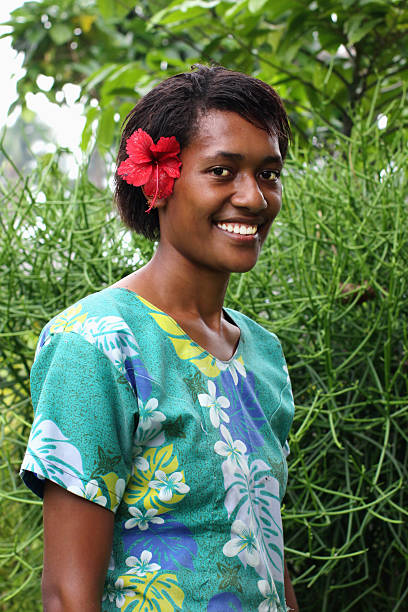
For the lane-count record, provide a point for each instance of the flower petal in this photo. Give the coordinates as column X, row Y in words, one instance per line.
column 120, row 600
column 162, row 185
column 135, row 512
column 264, row 587
column 146, row 556
column 240, row 367
column 91, row 489
column 214, row 417
column 182, row 487
column 151, row 404
column 252, row 556
column 212, row 388
column 171, row 167
column 130, row 562
column 135, row 174
column 150, row 513
column 139, row 146
column 204, row 399
column 221, row 448
column 223, row 401
column 165, row 494
column 141, row 464
column 240, row 447
column 239, row 528
column 224, row 416
column 233, row 547
column 166, row 146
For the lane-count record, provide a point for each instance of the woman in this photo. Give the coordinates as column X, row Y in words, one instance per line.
column 151, row 400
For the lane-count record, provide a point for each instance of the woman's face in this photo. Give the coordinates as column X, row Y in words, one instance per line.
column 227, row 196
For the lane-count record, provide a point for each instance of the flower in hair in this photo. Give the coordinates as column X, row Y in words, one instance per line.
column 151, row 166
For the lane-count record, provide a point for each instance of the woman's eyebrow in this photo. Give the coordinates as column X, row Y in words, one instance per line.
column 269, row 159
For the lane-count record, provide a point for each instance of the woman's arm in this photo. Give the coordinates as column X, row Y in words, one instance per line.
column 290, row 596
column 77, row 547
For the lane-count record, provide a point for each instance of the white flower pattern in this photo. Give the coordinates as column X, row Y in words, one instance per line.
column 90, row 492
column 142, row 566
column 271, row 601
column 168, row 485
column 234, row 367
column 234, row 450
column 141, row 519
column 148, row 413
column 117, row 594
column 215, row 404
column 243, row 542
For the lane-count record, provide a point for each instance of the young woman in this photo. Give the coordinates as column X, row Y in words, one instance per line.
column 161, row 418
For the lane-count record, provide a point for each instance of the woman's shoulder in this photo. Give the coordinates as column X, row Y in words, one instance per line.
column 107, row 319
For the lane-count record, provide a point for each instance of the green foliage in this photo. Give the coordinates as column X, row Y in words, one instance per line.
column 326, row 57
column 331, row 282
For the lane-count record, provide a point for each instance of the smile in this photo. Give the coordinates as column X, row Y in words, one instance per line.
column 238, row 228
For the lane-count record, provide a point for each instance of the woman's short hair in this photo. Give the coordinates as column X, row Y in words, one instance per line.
column 174, row 107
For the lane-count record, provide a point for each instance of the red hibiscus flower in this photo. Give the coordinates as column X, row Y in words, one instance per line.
column 151, row 166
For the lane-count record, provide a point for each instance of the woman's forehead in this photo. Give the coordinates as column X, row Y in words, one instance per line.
column 226, row 132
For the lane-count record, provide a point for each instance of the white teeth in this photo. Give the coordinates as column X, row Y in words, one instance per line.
column 238, row 228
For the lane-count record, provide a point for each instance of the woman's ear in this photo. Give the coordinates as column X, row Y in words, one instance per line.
column 159, row 203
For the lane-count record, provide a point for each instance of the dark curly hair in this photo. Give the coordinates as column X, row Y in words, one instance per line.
column 174, row 107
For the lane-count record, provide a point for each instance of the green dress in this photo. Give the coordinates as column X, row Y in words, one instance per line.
column 188, row 451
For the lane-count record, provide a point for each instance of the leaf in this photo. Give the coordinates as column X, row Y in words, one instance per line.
column 113, row 8
column 153, row 592
column 91, row 115
column 111, row 335
column 61, row 33
column 184, row 346
column 182, row 11
column 171, row 544
column 256, row 6
column 255, row 499
column 51, row 455
column 358, row 30
column 245, row 412
column 138, row 489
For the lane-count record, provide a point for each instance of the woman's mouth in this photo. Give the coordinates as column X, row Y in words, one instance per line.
column 244, row 229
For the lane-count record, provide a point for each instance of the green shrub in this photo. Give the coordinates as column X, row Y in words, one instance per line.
column 331, row 282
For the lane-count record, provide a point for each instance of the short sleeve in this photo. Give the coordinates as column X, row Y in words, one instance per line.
column 85, row 420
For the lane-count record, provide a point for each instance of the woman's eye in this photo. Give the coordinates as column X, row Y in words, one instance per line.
column 270, row 175
column 220, row 171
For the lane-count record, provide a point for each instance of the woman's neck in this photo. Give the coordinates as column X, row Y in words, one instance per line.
column 179, row 287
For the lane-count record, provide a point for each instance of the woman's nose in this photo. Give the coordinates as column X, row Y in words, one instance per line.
column 248, row 194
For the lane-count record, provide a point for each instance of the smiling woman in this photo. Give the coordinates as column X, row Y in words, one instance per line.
column 161, row 417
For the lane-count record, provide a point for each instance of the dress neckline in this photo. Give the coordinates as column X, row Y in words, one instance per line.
column 146, row 303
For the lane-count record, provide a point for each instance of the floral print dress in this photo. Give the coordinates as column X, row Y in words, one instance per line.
column 189, row 452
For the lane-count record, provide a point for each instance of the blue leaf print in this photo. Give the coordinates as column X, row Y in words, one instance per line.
column 170, row 543
column 224, row 602
column 246, row 414
column 135, row 370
